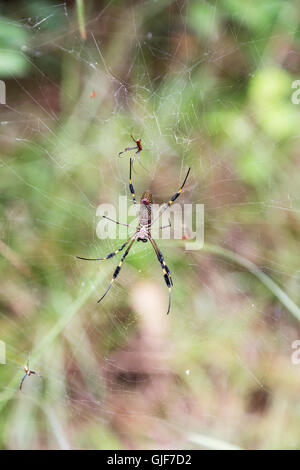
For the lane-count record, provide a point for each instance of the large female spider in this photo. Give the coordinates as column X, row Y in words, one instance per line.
column 142, row 233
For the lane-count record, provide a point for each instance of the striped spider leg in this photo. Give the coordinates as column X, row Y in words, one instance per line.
column 131, row 188
column 166, row 271
column 118, row 268
column 166, row 205
column 110, row 255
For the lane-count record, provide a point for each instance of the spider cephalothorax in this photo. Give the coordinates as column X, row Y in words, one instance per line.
column 146, row 198
column 143, row 233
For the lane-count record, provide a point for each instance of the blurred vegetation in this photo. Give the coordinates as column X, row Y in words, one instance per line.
column 205, row 84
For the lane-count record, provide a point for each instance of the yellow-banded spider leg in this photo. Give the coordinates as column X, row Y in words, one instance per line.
column 131, row 188
column 114, row 253
column 166, row 271
column 117, row 270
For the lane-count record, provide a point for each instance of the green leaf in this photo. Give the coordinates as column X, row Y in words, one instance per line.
column 12, row 63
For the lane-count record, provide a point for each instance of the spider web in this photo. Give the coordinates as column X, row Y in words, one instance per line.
column 217, row 372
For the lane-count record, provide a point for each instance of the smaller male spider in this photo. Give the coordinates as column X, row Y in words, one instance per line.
column 138, row 147
column 142, row 233
column 28, row 372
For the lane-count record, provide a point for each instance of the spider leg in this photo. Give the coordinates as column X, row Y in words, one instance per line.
column 117, row 270
column 127, row 149
column 118, row 223
column 166, row 226
column 21, row 384
column 176, row 195
column 136, row 155
column 166, row 271
column 173, row 198
column 134, row 140
column 114, row 253
column 130, row 183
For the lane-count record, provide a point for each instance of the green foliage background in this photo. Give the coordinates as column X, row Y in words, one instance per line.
column 205, row 84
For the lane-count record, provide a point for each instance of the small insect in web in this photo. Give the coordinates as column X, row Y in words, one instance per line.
column 28, row 372
column 142, row 233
